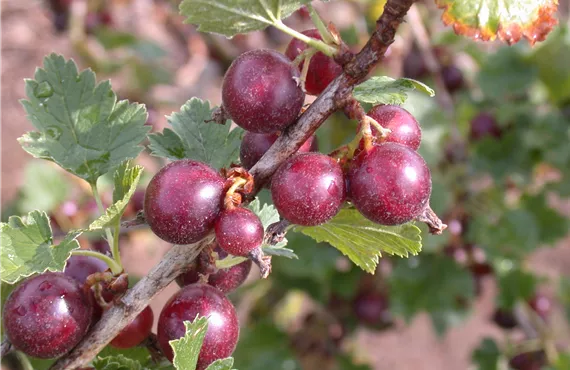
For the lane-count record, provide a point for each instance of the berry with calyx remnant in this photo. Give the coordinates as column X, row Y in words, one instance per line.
column 390, row 184
column 405, row 129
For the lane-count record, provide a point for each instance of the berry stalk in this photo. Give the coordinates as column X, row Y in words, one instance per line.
column 116, row 268
column 112, row 240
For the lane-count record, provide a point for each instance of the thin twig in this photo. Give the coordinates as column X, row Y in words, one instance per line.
column 179, row 258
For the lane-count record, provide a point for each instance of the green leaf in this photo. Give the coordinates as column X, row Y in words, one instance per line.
column 111, row 38
column 222, row 364
column 431, row 283
column 261, row 347
column 550, row 223
column 5, row 291
column 563, row 362
column 514, row 233
column 126, row 179
column 484, row 20
column 363, row 241
column 118, row 362
column 81, row 126
column 515, row 285
column 386, row 90
column 187, row 348
column 53, row 191
column 269, row 215
column 487, row 355
column 232, row 17
column 138, row 354
column 193, row 138
column 27, row 247
column 549, row 58
column 506, row 73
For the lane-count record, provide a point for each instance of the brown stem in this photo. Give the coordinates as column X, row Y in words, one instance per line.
column 336, row 95
column 433, row 222
column 140, row 219
column 131, row 304
column 275, row 232
column 179, row 257
column 151, row 344
column 6, row 347
column 262, row 261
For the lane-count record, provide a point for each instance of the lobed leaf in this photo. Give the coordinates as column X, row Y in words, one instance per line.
column 232, row 17
column 126, row 179
column 509, row 20
column 187, row 348
column 118, row 362
column 222, row 364
column 268, row 215
column 27, row 247
column 80, row 124
column 192, row 137
column 386, row 90
column 515, row 285
column 363, row 241
column 487, row 355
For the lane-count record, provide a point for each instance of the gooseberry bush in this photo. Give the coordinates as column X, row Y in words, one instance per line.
column 252, row 182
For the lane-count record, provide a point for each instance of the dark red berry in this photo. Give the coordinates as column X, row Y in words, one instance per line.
column 254, row 146
column 47, row 315
column 136, row 331
column 183, row 200
column 542, row 305
column 505, row 319
column 372, row 308
column 260, row 91
column 414, row 65
column 405, row 128
column 484, row 125
column 390, row 184
column 137, row 201
column 80, row 267
column 452, row 78
column 308, row 189
column 528, row 361
column 322, row 69
column 101, row 246
column 239, row 231
column 226, row 280
column 205, row 301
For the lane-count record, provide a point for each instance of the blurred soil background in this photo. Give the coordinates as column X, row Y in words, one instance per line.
column 28, row 35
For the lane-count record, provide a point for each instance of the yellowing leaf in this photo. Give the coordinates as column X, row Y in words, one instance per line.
column 510, row 20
